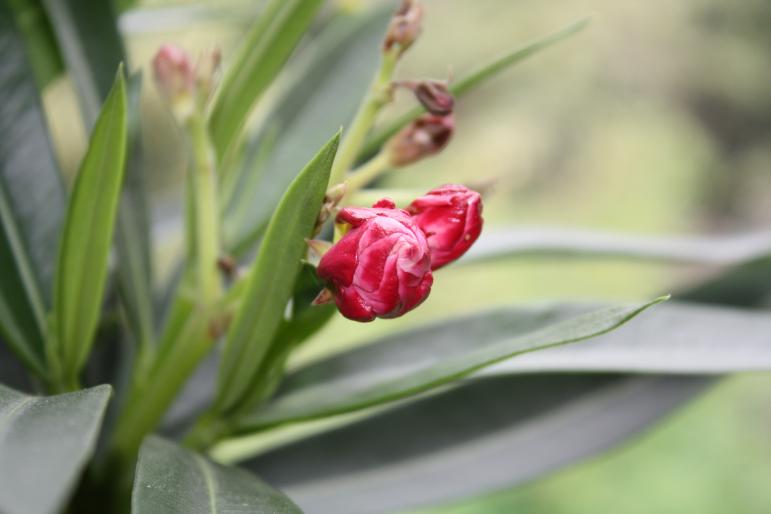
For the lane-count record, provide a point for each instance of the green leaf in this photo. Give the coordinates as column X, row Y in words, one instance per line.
column 272, row 279
column 473, row 79
column 85, row 247
column 45, row 442
column 335, row 69
column 31, row 204
column 405, row 365
column 88, row 37
column 556, row 242
column 170, row 480
column 263, row 53
column 488, row 434
column 39, row 40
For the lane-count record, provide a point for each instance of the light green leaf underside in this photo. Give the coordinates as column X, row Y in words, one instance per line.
column 520, row 241
column 45, row 442
column 173, row 480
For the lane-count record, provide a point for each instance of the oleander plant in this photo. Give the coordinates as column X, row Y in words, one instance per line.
column 120, row 387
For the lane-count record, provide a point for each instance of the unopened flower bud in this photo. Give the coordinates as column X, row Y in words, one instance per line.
column 174, row 73
column 381, row 268
column 425, row 136
column 451, row 218
column 405, row 26
column 434, row 95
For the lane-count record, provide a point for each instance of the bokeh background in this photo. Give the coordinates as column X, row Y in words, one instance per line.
column 654, row 120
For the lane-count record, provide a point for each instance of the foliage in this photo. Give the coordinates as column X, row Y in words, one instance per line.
column 78, row 305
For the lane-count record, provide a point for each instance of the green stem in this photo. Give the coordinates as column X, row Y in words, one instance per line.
column 366, row 173
column 379, row 95
column 206, row 211
column 186, row 339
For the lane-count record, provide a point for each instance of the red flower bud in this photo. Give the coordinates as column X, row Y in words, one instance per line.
column 425, row 136
column 381, row 268
column 174, row 72
column 405, row 26
column 451, row 217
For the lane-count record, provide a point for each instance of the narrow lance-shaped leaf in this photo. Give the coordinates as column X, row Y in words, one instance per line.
column 31, row 204
column 262, row 55
column 85, row 246
column 45, row 442
column 173, row 480
column 473, row 79
column 397, row 367
column 92, row 47
column 272, row 279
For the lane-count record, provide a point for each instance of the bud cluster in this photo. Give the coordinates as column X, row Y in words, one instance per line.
column 382, row 267
column 428, row 134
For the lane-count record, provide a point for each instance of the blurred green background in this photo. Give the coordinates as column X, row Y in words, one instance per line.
column 656, row 119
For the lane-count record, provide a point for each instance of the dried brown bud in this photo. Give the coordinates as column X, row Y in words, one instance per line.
column 405, row 26
column 425, row 136
column 434, row 95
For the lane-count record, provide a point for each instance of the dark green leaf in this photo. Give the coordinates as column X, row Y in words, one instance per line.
column 171, row 480
column 322, row 98
column 272, row 278
column 31, row 204
column 403, row 365
column 473, row 79
column 88, row 37
column 85, row 247
column 555, row 242
column 38, row 35
column 263, row 53
column 45, row 443
column 489, row 434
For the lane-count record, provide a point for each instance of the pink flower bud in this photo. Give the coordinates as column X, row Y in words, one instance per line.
column 405, row 26
column 174, row 73
column 425, row 136
column 451, row 217
column 381, row 267
column 434, row 95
